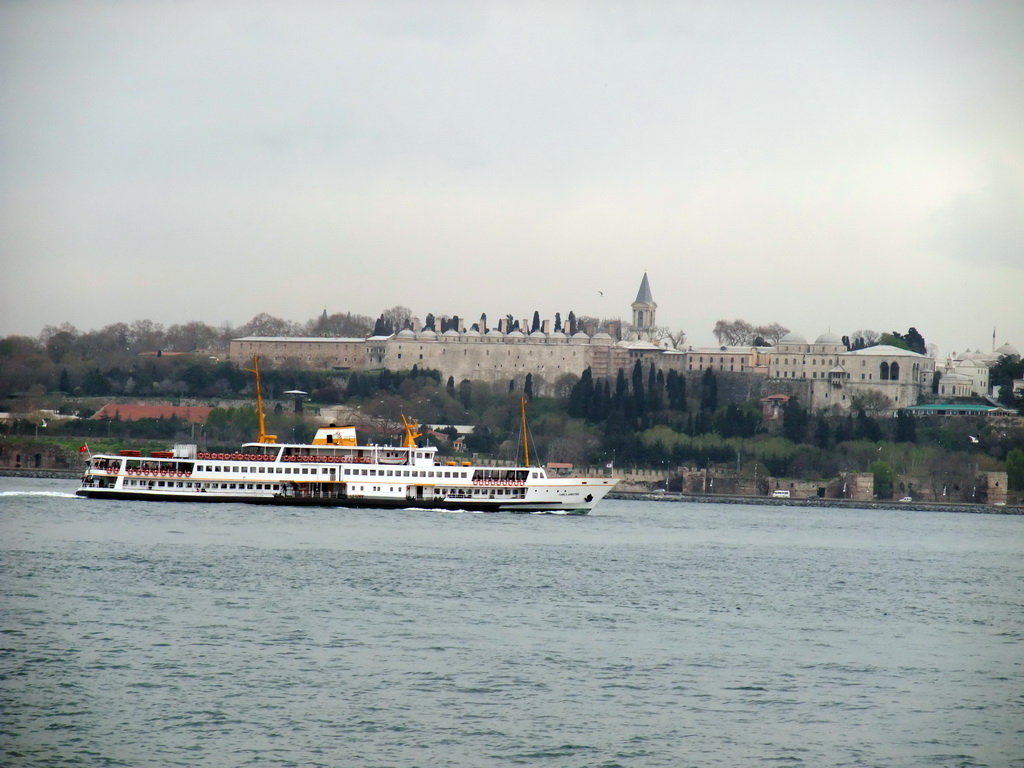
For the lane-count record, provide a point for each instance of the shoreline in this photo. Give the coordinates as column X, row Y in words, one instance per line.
column 973, row 509
column 914, row 506
column 44, row 474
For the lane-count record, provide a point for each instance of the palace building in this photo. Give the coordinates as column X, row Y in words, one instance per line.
column 822, row 374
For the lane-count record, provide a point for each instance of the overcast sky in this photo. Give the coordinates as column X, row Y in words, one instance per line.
column 825, row 165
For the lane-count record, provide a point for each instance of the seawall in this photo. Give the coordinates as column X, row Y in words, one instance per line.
column 977, row 509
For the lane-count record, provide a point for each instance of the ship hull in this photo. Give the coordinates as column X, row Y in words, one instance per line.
column 454, row 505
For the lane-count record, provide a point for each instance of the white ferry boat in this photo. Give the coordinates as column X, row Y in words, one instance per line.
column 335, row 470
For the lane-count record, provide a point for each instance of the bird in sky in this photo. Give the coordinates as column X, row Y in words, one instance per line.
column 972, row 438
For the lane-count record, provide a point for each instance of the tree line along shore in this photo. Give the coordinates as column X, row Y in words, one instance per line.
column 644, row 420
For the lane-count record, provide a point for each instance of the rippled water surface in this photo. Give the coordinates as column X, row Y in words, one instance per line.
column 647, row 634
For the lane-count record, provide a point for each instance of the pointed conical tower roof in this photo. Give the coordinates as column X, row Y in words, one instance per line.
column 643, row 296
column 644, row 307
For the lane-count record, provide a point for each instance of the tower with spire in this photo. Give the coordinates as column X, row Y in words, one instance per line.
column 644, row 308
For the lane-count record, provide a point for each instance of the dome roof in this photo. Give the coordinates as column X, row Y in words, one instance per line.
column 472, row 332
column 538, row 335
column 408, row 333
column 1007, row 349
column 427, row 334
column 828, row 338
column 450, row 332
column 792, row 338
column 516, row 335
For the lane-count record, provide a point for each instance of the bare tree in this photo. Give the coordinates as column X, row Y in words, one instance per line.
column 658, row 334
column 589, row 325
column 190, row 337
column 146, row 336
column 268, row 325
column 772, row 332
column 864, row 338
column 872, row 402
column 735, row 333
column 677, row 337
column 340, row 325
column 398, row 316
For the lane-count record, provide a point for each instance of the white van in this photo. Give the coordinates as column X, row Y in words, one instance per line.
column 780, row 494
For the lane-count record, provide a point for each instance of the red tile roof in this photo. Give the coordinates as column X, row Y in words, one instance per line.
column 191, row 413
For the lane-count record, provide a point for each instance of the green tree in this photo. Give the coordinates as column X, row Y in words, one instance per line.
column 1006, row 369
column 639, row 395
column 894, row 340
column 795, row 421
column 885, row 478
column 709, row 391
column 580, row 399
column 822, row 433
column 906, row 428
column 1015, row 469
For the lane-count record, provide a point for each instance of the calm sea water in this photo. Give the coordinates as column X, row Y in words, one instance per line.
column 647, row 634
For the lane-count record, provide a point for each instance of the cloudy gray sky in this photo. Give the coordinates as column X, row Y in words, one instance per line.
column 826, row 165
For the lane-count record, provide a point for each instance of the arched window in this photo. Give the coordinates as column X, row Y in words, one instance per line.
column 883, row 371
column 894, row 372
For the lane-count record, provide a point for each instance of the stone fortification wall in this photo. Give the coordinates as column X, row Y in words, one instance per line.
column 301, row 352
column 37, row 455
column 492, row 358
column 497, row 357
column 737, row 387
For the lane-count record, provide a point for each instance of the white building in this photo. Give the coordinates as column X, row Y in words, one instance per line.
column 837, row 376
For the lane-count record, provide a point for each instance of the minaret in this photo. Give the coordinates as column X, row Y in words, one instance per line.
column 644, row 308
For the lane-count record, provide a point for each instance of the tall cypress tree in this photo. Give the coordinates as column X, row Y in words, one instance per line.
column 639, row 396
column 709, row 391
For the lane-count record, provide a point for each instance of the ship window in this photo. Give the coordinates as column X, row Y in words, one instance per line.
column 232, row 485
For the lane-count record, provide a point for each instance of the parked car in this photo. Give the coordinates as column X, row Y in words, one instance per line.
column 907, row 498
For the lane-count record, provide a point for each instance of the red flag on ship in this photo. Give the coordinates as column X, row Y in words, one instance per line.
column 84, row 448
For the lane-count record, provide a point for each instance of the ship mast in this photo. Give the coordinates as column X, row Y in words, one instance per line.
column 411, row 433
column 526, row 444
column 264, row 437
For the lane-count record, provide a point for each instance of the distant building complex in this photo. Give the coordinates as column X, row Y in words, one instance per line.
column 823, row 374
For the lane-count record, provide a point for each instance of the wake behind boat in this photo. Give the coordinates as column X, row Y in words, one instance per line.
column 335, row 470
